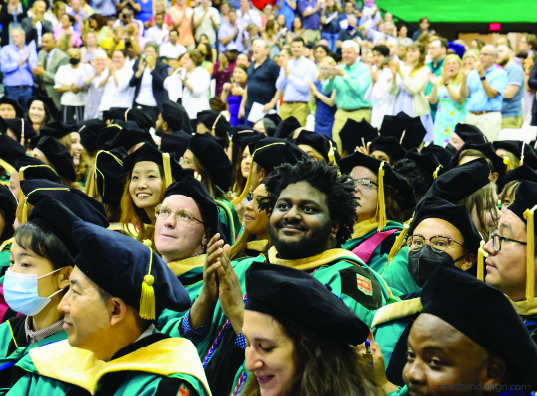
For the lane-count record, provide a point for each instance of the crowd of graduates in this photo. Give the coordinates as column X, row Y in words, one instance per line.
column 155, row 259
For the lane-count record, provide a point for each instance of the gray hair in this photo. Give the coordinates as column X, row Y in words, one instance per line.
column 351, row 44
column 20, row 30
column 100, row 54
column 263, row 43
column 493, row 48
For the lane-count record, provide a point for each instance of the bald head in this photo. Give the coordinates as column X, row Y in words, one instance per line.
column 39, row 7
column 49, row 42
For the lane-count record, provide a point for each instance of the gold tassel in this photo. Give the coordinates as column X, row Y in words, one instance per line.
column 332, row 157
column 435, row 174
column 7, row 166
column 398, row 244
column 24, row 211
column 167, row 169
column 147, row 300
column 508, row 165
column 529, row 215
column 91, row 186
column 481, row 255
column 381, row 205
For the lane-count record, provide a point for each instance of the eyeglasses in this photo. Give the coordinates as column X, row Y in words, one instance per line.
column 182, row 216
column 363, row 184
column 497, row 242
column 438, row 243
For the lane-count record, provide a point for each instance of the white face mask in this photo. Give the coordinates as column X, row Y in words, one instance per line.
column 21, row 294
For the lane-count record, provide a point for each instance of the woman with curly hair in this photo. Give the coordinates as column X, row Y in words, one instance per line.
column 312, row 211
column 382, row 201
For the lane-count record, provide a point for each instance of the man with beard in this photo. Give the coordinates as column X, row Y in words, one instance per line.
column 512, row 114
column 312, row 213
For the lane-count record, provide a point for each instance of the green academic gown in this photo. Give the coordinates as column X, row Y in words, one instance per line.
column 231, row 225
column 373, row 248
column 14, row 347
column 357, row 285
column 155, row 365
column 5, row 248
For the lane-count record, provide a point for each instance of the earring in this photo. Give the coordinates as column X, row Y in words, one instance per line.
column 333, row 236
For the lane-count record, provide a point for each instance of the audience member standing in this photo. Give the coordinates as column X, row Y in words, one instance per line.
column 293, row 80
column 95, row 91
column 233, row 92
column 231, row 32
column 182, row 22
column 424, row 28
column 325, row 104
column 116, row 84
column 351, row 82
column 381, row 75
column 330, row 24
column 70, row 82
column 262, row 76
column 512, row 113
column 106, row 8
column 437, row 51
column 11, row 15
column 172, row 49
column 484, row 85
column 196, row 84
column 17, row 62
column 125, row 17
column 532, row 84
column 36, row 26
column 158, row 33
column 310, row 11
column 247, row 15
column 206, row 21
column 223, row 68
column 78, row 13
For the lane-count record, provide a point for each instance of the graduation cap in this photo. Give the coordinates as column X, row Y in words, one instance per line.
column 281, row 291
column 47, row 102
column 441, row 154
column 57, row 129
column 275, row 118
column 386, row 176
column 22, row 128
column 10, row 151
column 239, row 137
column 389, row 145
column 190, row 187
column 409, row 131
column 172, row 169
column 8, row 205
column 427, row 161
column 126, row 138
column 520, row 149
column 356, row 134
column 488, row 150
column 177, row 143
column 176, row 117
column 106, row 180
column 217, row 124
column 251, row 141
column 16, row 105
column 58, row 156
column 31, row 168
column 270, row 153
column 81, row 205
column 3, row 125
column 470, row 133
column 321, row 144
column 524, row 207
column 131, row 114
column 214, row 159
column 287, row 127
column 483, row 314
column 433, row 207
column 523, row 172
column 128, row 269
column 89, row 134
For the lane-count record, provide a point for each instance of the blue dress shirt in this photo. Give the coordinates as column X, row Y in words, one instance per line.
column 478, row 99
column 15, row 75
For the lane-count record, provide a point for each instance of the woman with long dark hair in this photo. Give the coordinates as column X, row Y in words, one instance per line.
column 40, row 112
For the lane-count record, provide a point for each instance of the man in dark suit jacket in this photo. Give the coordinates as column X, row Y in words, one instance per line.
column 50, row 59
column 35, row 26
column 6, row 18
column 532, row 83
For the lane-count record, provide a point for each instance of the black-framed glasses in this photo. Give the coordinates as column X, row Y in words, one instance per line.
column 363, row 184
column 439, row 243
column 182, row 216
column 497, row 242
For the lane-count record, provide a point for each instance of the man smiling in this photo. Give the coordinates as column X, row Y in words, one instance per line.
column 312, row 213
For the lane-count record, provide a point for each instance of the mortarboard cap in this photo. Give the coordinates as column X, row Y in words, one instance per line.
column 488, row 150
column 131, row 114
column 473, row 308
column 22, row 128
column 409, row 131
column 106, row 180
column 126, row 138
column 128, row 269
column 58, row 156
column 286, row 128
column 89, row 134
column 427, row 161
column 241, row 138
column 57, row 129
column 441, row 154
column 31, row 168
column 523, row 172
column 176, row 116
column 10, row 151
column 190, row 187
column 389, row 145
column 8, row 205
column 470, row 133
column 521, row 150
column 322, row 144
column 16, row 105
column 217, row 124
column 214, row 159
column 280, row 291
column 177, row 143
column 356, row 134
column 172, row 169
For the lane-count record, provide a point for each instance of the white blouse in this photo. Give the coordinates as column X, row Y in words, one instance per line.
column 117, row 96
column 197, row 101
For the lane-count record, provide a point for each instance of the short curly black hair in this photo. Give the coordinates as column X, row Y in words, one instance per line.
column 339, row 191
column 420, row 178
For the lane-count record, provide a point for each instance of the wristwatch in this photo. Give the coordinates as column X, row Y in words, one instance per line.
column 482, row 78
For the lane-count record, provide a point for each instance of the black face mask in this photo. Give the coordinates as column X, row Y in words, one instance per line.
column 423, row 262
column 452, row 150
column 74, row 61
